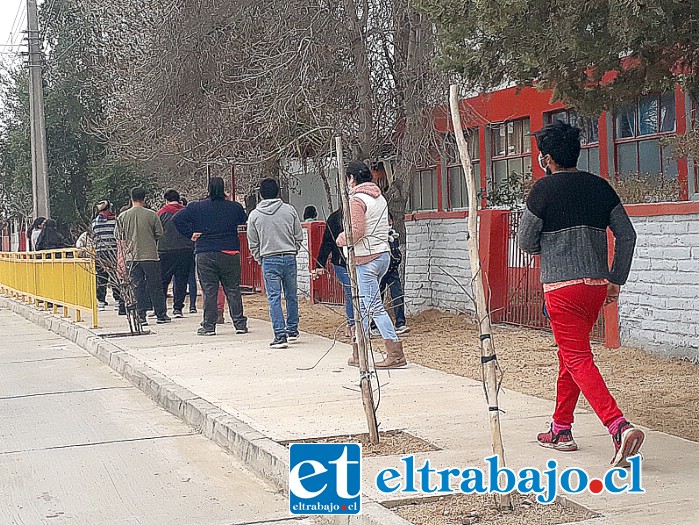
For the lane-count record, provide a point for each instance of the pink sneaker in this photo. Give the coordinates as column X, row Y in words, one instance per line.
column 627, row 442
column 562, row 441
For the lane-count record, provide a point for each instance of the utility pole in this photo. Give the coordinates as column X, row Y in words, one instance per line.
column 40, row 170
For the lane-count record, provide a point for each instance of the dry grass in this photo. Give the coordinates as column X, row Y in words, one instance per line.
column 391, row 443
column 658, row 393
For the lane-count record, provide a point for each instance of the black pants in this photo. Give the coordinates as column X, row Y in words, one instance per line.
column 148, row 285
column 392, row 281
column 176, row 264
column 102, row 282
column 214, row 268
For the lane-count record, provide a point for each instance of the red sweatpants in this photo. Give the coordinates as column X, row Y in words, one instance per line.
column 574, row 310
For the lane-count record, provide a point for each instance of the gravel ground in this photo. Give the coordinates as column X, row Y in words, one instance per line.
column 658, row 393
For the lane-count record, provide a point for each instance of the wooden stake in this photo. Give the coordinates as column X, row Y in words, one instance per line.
column 364, row 374
column 488, row 357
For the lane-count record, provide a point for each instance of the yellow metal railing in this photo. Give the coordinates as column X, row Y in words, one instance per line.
column 55, row 279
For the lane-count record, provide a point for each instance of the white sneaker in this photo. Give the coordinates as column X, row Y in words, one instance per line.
column 402, row 329
column 374, row 333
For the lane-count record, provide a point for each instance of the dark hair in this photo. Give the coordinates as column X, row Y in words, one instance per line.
column 37, row 222
column 50, row 223
column 310, row 212
column 172, row 196
column 138, row 194
column 269, row 189
column 359, row 171
column 561, row 141
column 216, row 189
column 183, row 201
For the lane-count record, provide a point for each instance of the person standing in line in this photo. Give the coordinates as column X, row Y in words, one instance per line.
column 34, row 232
column 50, row 238
column 565, row 222
column 138, row 230
column 275, row 236
column 176, row 253
column 328, row 247
column 105, row 245
column 310, row 213
column 213, row 226
column 369, row 213
column 192, row 280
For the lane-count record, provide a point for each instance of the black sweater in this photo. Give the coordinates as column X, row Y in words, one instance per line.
column 333, row 228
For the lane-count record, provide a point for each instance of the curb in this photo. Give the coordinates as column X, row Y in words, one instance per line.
column 265, row 457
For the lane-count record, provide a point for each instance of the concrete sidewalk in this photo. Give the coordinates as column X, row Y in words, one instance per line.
column 283, row 396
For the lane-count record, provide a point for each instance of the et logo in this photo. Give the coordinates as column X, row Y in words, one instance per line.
column 325, row 478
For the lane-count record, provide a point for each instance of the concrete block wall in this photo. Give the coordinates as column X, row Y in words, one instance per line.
column 302, row 268
column 659, row 306
column 436, row 254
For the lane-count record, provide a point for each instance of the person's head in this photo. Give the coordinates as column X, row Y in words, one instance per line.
column 104, row 206
column 50, row 224
column 310, row 213
column 269, row 189
column 217, row 191
column 183, row 201
column 138, row 196
column 559, row 146
column 171, row 196
column 38, row 223
column 358, row 173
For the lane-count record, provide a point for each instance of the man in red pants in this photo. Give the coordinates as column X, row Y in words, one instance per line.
column 565, row 222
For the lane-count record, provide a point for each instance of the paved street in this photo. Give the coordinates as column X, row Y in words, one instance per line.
column 81, row 446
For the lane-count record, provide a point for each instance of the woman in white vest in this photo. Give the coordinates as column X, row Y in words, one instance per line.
column 369, row 212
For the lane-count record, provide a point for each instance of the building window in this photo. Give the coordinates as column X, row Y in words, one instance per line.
column 638, row 130
column 589, row 137
column 457, row 191
column 423, row 193
column 511, row 153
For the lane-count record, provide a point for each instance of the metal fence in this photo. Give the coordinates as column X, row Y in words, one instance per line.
column 327, row 288
column 525, row 293
column 251, row 272
column 52, row 279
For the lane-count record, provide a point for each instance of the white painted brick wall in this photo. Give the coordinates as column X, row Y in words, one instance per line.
column 302, row 270
column 659, row 306
column 436, row 254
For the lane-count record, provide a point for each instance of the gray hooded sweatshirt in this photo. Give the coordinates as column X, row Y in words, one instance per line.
column 274, row 228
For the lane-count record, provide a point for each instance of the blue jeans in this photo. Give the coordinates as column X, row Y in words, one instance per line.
column 369, row 275
column 343, row 277
column 279, row 272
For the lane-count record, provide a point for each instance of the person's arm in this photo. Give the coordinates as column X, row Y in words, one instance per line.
column 253, row 239
column 326, row 248
column 184, row 222
column 624, row 244
column 157, row 227
column 298, row 229
column 531, row 224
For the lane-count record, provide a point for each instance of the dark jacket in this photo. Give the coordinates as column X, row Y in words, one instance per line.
column 396, row 255
column 172, row 240
column 333, row 228
column 216, row 220
column 51, row 239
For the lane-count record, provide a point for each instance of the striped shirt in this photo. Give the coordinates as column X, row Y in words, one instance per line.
column 103, row 230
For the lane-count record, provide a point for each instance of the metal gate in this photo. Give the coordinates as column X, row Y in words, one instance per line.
column 326, row 289
column 525, row 294
column 251, row 272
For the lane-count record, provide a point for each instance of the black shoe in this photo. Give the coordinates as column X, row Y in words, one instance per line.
column 243, row 330
column 279, row 342
column 204, row 331
column 144, row 321
column 192, row 310
column 163, row 320
column 177, row 313
column 292, row 336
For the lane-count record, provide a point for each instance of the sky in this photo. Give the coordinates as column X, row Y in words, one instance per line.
column 9, row 20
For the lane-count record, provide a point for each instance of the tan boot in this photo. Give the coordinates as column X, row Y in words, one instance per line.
column 354, row 360
column 395, row 357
